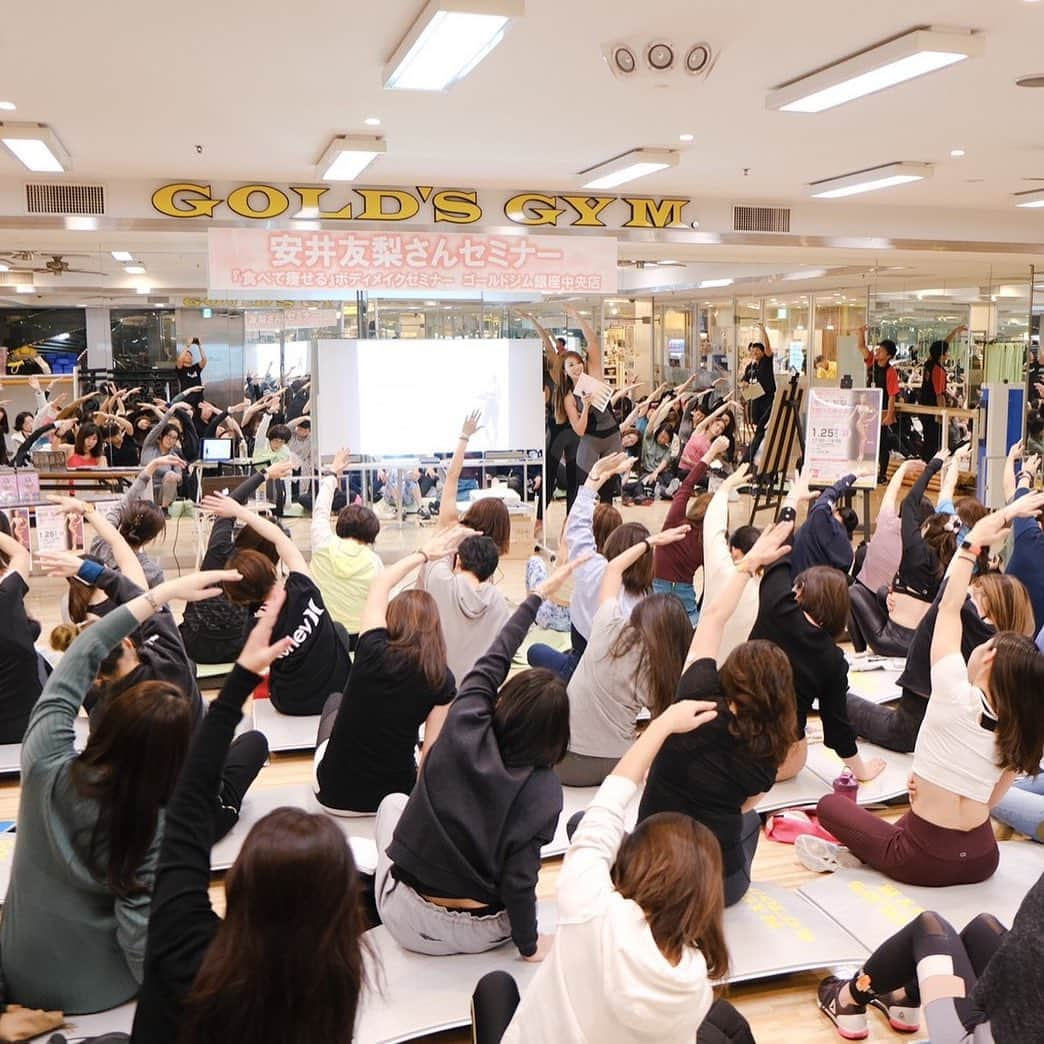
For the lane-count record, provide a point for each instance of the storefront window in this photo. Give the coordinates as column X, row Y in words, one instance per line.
column 59, row 335
column 143, row 339
column 837, row 339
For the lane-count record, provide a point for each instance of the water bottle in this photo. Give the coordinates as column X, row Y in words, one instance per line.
column 847, row 785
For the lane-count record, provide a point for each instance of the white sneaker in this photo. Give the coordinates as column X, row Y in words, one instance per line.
column 816, row 853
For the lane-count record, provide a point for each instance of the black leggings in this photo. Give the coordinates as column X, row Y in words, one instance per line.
column 893, row 966
column 245, row 758
column 894, row 729
column 496, row 997
column 562, row 442
column 870, row 625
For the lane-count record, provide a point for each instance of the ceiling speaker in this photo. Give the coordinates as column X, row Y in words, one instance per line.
column 661, row 59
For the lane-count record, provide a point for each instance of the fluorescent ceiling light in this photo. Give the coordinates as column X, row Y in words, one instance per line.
column 347, row 156
column 710, row 284
column 448, row 39
column 35, row 146
column 8, row 106
column 24, row 288
column 895, row 61
column 869, row 180
column 5, row 268
column 372, row 121
column 628, row 166
column 144, row 289
column 134, row 269
column 122, row 255
column 810, row 273
column 1033, row 198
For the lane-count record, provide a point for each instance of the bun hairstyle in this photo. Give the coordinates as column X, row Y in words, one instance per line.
column 140, row 522
column 63, row 636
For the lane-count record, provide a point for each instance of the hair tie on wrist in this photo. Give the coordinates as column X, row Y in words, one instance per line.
column 466, row 438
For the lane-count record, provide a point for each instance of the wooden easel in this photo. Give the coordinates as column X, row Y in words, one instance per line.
column 785, row 427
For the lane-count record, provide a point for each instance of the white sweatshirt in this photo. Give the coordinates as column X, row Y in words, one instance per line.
column 605, row 980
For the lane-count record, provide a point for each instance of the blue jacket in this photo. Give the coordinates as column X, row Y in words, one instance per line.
column 822, row 540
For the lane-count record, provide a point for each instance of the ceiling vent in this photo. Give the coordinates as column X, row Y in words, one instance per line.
column 761, row 219
column 49, row 198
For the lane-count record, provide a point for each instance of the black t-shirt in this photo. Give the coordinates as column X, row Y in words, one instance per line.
column 21, row 673
column 707, row 774
column 819, row 666
column 371, row 748
column 317, row 666
column 189, row 376
column 126, row 455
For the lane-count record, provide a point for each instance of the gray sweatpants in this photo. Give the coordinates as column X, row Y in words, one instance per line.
column 413, row 922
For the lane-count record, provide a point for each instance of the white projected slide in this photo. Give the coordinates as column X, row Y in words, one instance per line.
column 404, row 397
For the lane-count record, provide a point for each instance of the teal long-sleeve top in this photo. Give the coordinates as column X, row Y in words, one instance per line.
column 66, row 941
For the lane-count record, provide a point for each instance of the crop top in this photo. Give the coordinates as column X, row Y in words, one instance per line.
column 956, row 747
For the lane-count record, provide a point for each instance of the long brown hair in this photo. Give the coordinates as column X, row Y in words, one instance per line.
column 490, row 517
column 287, row 965
column 1016, row 690
column 638, row 576
column 758, row 680
column 564, row 383
column 129, row 768
column 606, row 519
column 670, row 865
column 415, row 636
column 696, row 510
column 659, row 628
column 1006, row 602
column 941, row 539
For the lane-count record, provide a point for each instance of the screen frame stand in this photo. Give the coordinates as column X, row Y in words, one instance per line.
column 785, row 427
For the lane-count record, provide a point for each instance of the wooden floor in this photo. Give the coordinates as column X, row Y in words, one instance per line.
column 781, row 1011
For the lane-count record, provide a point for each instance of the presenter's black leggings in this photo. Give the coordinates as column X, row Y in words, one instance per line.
column 496, row 997
column 562, row 444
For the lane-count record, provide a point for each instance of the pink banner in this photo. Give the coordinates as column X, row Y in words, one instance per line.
column 311, row 264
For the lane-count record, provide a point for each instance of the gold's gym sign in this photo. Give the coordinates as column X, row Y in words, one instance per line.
column 186, row 199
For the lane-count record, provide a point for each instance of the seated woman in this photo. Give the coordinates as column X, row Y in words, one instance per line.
column 995, row 602
column 640, row 938
column 22, row 670
column 982, row 727
column 318, row 664
column 214, row 629
column 76, row 911
column 344, row 562
column 676, row 563
column 722, row 422
column 885, row 620
column 139, row 521
column 981, row 985
column 804, row 616
column 885, row 549
column 89, row 449
column 487, row 516
column 826, row 537
column 202, row 971
column 584, row 525
column 718, row 774
column 457, row 861
column 633, row 660
column 368, row 737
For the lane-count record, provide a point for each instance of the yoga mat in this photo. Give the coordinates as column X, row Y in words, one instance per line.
column 872, row 907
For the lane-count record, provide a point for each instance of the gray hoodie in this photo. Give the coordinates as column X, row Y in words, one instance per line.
column 471, row 616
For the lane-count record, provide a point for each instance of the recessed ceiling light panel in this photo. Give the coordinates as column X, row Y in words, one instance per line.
column 906, row 57
column 629, row 166
column 1030, row 200
column 448, row 39
column 123, row 256
column 870, row 180
column 347, row 156
column 36, row 147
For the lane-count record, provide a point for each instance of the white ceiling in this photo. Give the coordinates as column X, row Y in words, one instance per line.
column 132, row 89
column 263, row 86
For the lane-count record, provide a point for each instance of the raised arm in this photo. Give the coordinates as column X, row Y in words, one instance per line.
column 890, row 500
column 289, row 553
column 612, row 579
column 448, row 496
column 594, row 343
column 1011, row 470
column 17, row 555
column 765, row 340
column 322, row 533
column 910, row 511
column 441, row 544
column 586, row 874
column 579, row 531
column 770, row 547
column 126, row 560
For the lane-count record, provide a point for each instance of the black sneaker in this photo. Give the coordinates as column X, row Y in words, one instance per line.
column 850, row 1020
column 903, row 1018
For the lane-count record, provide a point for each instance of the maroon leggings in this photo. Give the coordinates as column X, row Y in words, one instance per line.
column 912, row 851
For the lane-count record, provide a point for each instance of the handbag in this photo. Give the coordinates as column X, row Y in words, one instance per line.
column 751, row 390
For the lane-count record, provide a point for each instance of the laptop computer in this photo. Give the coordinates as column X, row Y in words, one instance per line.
column 217, row 450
